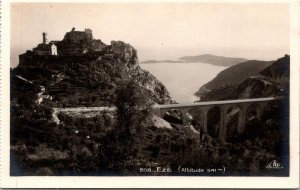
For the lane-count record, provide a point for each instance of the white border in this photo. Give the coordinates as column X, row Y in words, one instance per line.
column 145, row 182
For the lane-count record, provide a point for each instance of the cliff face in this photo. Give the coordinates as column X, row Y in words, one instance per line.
column 273, row 80
column 234, row 75
column 86, row 71
column 257, row 87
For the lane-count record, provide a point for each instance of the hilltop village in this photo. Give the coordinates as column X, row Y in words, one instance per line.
column 81, row 65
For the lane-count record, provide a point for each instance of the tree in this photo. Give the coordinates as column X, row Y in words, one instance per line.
column 133, row 107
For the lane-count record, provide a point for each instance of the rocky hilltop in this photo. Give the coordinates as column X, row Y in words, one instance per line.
column 80, row 70
column 79, row 42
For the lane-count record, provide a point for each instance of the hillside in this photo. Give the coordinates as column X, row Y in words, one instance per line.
column 279, row 69
column 213, row 59
column 234, row 75
column 272, row 80
column 86, row 71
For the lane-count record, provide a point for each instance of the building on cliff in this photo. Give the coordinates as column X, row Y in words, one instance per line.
column 89, row 33
column 46, row 48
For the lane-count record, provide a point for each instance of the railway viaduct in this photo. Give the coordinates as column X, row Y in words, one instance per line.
column 226, row 108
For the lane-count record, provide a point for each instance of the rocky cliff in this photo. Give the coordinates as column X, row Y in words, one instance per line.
column 235, row 75
column 87, row 71
column 273, row 80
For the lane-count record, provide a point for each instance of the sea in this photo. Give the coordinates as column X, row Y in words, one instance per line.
column 183, row 80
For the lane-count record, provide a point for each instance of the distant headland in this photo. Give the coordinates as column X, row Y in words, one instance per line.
column 204, row 58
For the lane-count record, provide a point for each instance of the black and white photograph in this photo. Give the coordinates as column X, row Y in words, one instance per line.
column 143, row 89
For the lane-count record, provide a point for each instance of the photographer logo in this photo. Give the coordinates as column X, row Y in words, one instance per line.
column 274, row 165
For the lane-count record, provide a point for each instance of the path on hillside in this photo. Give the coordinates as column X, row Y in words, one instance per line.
column 78, row 109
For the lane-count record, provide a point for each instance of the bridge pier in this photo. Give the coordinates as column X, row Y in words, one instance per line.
column 223, row 122
column 242, row 118
column 221, row 125
column 260, row 109
column 204, row 118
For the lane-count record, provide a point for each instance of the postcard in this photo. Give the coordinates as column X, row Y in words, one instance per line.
column 150, row 94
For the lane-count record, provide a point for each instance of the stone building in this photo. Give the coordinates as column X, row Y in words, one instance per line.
column 53, row 49
column 46, row 48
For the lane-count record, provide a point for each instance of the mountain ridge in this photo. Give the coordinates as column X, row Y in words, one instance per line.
column 161, row 61
column 213, row 59
column 204, row 58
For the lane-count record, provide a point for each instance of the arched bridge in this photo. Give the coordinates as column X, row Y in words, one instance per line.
column 246, row 108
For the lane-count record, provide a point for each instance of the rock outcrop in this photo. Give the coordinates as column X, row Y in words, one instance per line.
column 79, row 42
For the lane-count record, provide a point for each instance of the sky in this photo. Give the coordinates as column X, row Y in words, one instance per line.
column 160, row 30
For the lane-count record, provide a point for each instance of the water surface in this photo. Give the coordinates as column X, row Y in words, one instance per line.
column 183, row 79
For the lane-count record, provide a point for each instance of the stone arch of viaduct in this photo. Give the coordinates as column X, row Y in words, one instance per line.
column 204, row 107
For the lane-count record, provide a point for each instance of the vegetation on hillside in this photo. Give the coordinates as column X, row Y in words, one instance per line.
column 257, row 82
column 122, row 143
column 235, row 75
